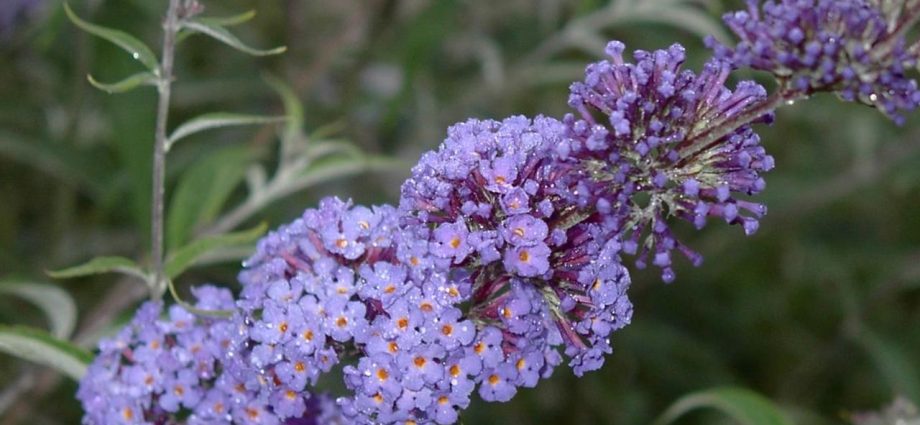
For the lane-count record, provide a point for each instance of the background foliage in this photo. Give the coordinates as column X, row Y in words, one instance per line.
column 818, row 311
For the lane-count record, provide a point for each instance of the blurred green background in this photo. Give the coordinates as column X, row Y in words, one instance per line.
column 818, row 311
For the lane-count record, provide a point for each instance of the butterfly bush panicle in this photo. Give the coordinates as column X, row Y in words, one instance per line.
column 545, row 268
column 158, row 370
column 849, row 47
column 639, row 137
column 504, row 254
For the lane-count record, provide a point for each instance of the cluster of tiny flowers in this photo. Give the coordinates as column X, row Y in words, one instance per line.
column 641, row 135
column 418, row 334
column 306, row 297
column 504, row 254
column 156, row 371
column 844, row 46
column 502, row 205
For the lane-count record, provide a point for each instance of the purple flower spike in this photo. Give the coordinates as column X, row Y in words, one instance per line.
column 664, row 165
column 849, row 47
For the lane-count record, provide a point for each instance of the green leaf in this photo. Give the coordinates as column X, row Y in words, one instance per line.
column 185, row 257
column 202, row 192
column 222, row 21
column 229, row 21
column 38, row 346
column 743, row 405
column 216, row 120
column 221, row 34
column 56, row 303
column 101, row 265
column 136, row 48
column 293, row 109
column 331, row 169
column 894, row 364
column 127, row 84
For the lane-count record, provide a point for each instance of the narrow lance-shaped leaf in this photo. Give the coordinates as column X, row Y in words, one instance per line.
column 136, row 48
column 223, row 21
column 333, row 168
column 101, row 265
column 743, row 405
column 202, row 192
column 293, row 131
column 186, row 256
column 229, row 21
column 221, row 34
column 56, row 303
column 216, row 120
column 127, row 84
column 38, row 346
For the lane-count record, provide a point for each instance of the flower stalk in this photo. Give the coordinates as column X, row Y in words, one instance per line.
column 164, row 86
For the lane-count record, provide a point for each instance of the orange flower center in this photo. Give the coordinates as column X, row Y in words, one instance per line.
column 252, row 413
column 382, row 374
column 420, row 361
column 493, row 380
column 524, row 256
column 521, row 364
column 447, row 330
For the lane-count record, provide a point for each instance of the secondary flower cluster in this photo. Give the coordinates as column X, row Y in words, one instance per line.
column 846, row 46
column 653, row 155
column 346, row 283
column 166, row 370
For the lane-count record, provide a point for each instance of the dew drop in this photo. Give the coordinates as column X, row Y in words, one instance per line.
column 873, row 97
column 136, row 55
column 790, row 102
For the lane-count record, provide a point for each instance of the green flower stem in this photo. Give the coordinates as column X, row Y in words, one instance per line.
column 909, row 16
column 170, row 28
column 719, row 129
